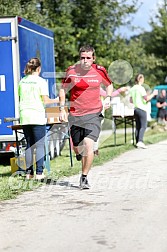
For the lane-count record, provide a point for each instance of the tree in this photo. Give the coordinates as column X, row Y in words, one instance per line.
column 156, row 41
column 78, row 22
column 133, row 51
column 23, row 9
column 60, row 21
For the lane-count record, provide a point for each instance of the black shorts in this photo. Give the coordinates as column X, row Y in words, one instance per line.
column 162, row 113
column 85, row 126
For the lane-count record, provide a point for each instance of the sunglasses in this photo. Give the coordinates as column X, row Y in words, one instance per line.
column 82, row 58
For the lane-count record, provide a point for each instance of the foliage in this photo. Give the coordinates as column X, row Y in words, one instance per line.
column 78, row 22
column 60, row 21
column 156, row 41
column 23, row 9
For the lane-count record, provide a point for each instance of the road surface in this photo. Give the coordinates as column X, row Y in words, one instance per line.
column 125, row 210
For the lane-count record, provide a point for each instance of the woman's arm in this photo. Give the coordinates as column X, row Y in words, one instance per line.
column 47, row 100
column 119, row 91
column 149, row 97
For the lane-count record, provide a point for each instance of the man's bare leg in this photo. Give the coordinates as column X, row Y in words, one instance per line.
column 88, row 155
column 78, row 151
column 87, row 160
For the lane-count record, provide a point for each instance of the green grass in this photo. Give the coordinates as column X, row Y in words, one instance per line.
column 11, row 186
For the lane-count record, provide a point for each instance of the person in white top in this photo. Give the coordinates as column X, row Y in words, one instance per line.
column 34, row 94
column 139, row 98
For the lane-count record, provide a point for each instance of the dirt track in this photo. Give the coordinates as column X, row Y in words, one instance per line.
column 125, row 209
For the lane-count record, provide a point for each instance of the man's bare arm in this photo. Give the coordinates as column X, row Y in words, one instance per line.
column 62, row 96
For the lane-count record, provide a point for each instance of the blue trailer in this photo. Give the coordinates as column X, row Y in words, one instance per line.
column 20, row 40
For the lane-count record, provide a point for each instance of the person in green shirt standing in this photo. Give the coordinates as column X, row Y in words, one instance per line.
column 139, row 98
column 34, row 95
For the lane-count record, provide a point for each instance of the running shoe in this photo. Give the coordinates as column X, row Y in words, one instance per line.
column 141, row 145
column 84, row 184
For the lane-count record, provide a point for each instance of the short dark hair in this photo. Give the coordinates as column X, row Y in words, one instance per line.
column 87, row 48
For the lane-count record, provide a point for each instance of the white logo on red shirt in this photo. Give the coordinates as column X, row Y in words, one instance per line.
column 92, row 80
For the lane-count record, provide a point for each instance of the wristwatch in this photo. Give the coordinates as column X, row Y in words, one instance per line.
column 109, row 96
column 61, row 108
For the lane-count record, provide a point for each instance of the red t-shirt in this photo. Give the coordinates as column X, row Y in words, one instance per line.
column 84, row 88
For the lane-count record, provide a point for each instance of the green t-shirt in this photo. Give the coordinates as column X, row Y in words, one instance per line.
column 32, row 110
column 137, row 92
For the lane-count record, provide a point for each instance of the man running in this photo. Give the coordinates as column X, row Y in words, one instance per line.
column 83, row 80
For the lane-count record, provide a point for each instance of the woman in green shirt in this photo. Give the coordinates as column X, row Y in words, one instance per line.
column 34, row 94
column 139, row 98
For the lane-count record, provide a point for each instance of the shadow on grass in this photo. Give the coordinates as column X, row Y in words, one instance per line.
column 6, row 174
column 5, row 161
column 111, row 146
column 5, row 158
